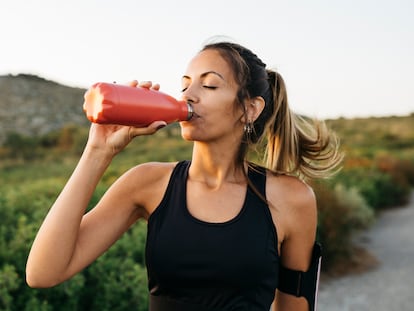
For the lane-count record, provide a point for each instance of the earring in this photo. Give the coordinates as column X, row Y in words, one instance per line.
column 248, row 128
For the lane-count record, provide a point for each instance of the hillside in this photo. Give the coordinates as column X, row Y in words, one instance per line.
column 376, row 135
column 31, row 105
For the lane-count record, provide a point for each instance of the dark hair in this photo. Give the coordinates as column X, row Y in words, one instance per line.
column 292, row 144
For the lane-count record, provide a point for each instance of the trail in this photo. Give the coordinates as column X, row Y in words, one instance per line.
column 388, row 287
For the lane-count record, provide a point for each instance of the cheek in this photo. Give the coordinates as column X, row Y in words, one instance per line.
column 229, row 108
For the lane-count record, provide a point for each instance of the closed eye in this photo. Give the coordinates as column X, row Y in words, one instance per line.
column 205, row 86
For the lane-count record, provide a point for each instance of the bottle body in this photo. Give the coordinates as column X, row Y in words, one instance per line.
column 108, row 103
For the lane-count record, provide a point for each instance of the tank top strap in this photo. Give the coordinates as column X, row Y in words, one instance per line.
column 180, row 171
column 257, row 177
column 175, row 192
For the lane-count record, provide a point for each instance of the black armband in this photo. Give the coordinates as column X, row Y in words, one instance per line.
column 303, row 284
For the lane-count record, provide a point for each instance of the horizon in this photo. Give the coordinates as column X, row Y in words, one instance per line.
column 409, row 114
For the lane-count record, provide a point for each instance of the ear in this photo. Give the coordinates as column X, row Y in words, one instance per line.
column 254, row 108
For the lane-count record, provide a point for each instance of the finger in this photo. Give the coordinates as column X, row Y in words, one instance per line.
column 156, row 87
column 145, row 84
column 133, row 83
column 150, row 129
column 158, row 125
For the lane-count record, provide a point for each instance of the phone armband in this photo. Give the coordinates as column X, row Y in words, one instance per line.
column 303, row 284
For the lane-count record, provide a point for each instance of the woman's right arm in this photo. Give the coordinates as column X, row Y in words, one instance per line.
column 54, row 246
column 68, row 239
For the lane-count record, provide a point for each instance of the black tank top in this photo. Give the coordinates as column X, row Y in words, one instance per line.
column 200, row 266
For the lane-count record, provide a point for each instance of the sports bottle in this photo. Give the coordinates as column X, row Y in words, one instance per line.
column 110, row 103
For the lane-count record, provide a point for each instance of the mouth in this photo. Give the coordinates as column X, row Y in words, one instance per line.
column 194, row 116
column 191, row 113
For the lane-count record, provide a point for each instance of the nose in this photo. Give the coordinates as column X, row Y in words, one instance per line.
column 189, row 95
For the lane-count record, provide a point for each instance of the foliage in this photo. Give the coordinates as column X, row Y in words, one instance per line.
column 8, row 284
column 118, row 279
column 378, row 172
column 342, row 212
column 384, row 181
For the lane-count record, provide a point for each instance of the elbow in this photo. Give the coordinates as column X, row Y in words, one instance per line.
column 34, row 282
column 38, row 283
column 39, row 280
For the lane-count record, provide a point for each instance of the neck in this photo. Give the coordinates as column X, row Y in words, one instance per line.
column 215, row 165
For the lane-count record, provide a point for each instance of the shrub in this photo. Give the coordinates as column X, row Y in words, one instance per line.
column 384, row 182
column 341, row 213
column 8, row 284
column 21, row 147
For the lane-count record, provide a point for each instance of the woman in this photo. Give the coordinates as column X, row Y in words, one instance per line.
column 219, row 227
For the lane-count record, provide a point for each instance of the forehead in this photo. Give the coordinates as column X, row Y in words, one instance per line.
column 209, row 60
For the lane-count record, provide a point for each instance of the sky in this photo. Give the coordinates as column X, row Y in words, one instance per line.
column 350, row 58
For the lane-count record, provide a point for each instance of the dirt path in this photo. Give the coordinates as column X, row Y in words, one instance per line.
column 388, row 287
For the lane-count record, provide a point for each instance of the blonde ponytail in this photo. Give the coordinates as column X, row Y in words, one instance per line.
column 296, row 145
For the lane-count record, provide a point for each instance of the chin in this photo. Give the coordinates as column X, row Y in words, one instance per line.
column 187, row 131
column 186, row 134
column 191, row 132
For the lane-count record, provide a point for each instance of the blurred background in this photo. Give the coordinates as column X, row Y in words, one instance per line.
column 348, row 63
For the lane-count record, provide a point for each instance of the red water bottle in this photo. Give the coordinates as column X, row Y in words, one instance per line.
column 108, row 103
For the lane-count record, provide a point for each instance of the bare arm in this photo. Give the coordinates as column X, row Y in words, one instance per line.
column 68, row 240
column 299, row 228
column 54, row 247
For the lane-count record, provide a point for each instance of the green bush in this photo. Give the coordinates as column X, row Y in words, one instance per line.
column 342, row 212
column 18, row 146
column 116, row 281
column 9, row 282
column 383, row 182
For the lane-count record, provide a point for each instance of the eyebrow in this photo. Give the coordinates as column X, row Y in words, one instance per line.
column 203, row 75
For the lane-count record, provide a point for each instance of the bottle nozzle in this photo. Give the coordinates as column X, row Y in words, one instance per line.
column 190, row 111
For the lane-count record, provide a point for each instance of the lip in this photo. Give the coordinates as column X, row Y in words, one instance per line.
column 191, row 112
column 195, row 116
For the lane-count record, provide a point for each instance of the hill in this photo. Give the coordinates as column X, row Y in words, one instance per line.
column 376, row 135
column 31, row 105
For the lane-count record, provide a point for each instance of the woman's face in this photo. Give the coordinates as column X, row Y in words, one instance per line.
column 210, row 86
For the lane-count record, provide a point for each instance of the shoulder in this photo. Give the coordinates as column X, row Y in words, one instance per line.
column 146, row 183
column 146, row 174
column 151, row 170
column 293, row 207
column 291, row 192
